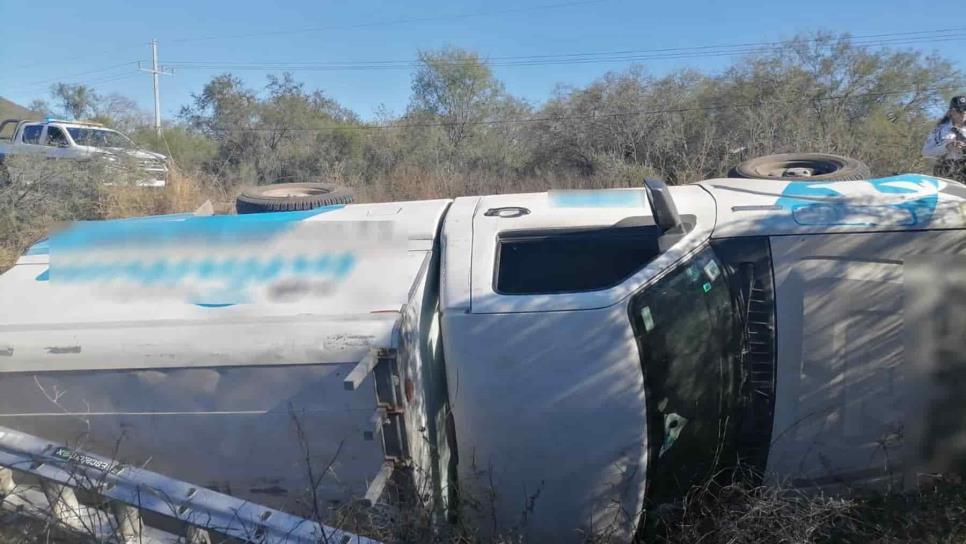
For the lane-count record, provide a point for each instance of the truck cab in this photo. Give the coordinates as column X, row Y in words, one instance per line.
column 800, row 329
column 542, row 342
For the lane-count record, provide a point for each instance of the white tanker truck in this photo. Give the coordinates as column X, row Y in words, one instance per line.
column 575, row 358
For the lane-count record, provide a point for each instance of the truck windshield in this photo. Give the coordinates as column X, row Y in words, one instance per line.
column 690, row 337
column 99, row 137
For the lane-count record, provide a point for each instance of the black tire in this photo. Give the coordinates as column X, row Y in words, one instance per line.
column 802, row 167
column 287, row 197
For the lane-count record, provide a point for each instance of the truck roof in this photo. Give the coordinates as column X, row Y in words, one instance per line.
column 51, row 121
column 17, row 123
column 750, row 207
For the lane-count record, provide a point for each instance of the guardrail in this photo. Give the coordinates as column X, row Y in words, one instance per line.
column 126, row 493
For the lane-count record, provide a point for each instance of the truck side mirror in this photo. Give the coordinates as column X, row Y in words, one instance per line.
column 665, row 213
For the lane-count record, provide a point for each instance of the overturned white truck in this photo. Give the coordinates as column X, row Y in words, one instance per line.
column 568, row 360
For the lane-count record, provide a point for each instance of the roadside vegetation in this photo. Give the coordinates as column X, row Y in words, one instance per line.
column 463, row 133
column 37, row 196
column 736, row 513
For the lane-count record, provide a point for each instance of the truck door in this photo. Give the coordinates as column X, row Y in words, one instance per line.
column 31, row 138
column 689, row 333
column 57, row 143
column 544, row 372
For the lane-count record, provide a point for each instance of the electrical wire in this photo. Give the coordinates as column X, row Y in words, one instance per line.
column 36, row 84
column 889, row 39
column 108, row 78
column 291, row 31
column 874, row 40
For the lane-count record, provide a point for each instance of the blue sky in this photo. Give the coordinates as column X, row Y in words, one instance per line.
column 89, row 42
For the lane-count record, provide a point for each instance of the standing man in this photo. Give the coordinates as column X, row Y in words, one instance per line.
column 947, row 142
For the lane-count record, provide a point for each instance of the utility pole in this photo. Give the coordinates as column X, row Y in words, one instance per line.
column 156, row 71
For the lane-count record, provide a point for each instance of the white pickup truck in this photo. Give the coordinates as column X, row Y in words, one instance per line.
column 567, row 361
column 79, row 141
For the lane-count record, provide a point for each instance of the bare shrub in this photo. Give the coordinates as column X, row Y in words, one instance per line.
column 182, row 193
column 739, row 512
column 39, row 193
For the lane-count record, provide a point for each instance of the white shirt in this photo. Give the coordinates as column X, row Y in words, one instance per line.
column 935, row 146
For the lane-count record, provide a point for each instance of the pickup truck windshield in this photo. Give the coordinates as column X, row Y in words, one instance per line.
column 99, row 137
column 690, row 337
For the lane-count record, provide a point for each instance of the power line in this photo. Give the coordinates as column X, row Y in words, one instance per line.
column 578, row 58
column 619, row 56
column 415, row 64
column 484, row 13
column 327, row 28
column 763, row 44
column 631, row 55
column 75, row 74
column 78, row 57
column 108, row 78
column 916, row 35
column 595, row 116
column 518, row 60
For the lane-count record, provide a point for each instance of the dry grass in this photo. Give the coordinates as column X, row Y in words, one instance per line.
column 16, row 529
column 25, row 219
column 736, row 513
column 182, row 193
column 739, row 513
column 8, row 256
column 410, row 183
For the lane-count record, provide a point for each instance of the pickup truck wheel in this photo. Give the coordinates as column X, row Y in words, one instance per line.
column 802, row 167
column 286, row 197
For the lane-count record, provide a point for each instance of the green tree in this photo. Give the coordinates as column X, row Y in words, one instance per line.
column 289, row 135
column 76, row 101
column 120, row 112
column 818, row 93
column 457, row 88
column 224, row 104
column 40, row 107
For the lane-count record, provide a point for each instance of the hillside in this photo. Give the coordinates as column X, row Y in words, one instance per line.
column 12, row 110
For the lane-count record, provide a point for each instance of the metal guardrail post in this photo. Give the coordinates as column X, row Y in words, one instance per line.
column 361, row 370
column 128, row 521
column 194, row 535
column 63, row 503
column 59, row 469
column 378, row 484
column 7, row 484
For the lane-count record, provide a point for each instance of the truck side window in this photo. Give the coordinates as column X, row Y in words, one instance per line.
column 572, row 261
column 689, row 335
column 31, row 134
column 56, row 137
